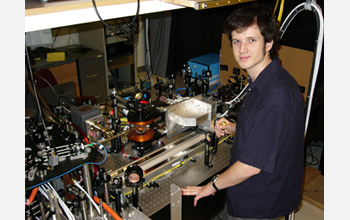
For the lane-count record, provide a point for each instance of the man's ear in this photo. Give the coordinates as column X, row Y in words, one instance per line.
column 268, row 46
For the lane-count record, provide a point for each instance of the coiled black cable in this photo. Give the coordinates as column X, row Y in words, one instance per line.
column 113, row 28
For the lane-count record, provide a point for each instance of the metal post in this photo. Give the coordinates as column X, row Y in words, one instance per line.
column 88, row 188
column 175, row 202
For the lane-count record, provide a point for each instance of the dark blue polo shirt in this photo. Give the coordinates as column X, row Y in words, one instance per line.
column 269, row 136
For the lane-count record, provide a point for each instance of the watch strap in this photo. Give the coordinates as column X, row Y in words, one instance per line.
column 213, row 182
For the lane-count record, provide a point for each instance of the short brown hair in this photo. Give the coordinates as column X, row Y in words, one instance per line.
column 251, row 14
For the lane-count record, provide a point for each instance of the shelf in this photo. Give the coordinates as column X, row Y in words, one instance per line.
column 40, row 15
column 36, row 7
column 45, row 15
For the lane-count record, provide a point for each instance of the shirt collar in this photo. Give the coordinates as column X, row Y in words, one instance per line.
column 264, row 76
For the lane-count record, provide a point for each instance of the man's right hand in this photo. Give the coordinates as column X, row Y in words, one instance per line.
column 224, row 126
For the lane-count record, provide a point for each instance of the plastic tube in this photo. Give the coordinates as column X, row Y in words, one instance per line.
column 108, row 209
column 63, row 205
column 32, row 195
column 318, row 49
column 281, row 11
column 87, row 195
column 81, row 132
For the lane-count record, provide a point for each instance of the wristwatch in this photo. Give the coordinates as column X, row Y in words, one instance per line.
column 213, row 182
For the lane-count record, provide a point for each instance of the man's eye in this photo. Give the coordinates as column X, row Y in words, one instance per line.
column 252, row 40
column 235, row 41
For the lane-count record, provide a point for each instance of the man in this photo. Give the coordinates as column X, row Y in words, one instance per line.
column 265, row 173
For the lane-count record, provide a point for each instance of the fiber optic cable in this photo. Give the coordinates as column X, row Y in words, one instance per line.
column 310, row 6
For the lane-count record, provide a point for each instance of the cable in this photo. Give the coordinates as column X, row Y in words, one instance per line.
column 54, row 41
column 113, row 28
column 274, row 11
column 108, row 209
column 148, row 55
column 81, row 132
column 234, row 101
column 310, row 153
column 310, row 6
column 36, row 94
column 87, row 195
column 181, row 89
column 222, row 141
column 63, row 205
column 32, row 196
column 55, row 194
column 281, row 11
column 54, row 91
column 103, row 159
column 43, row 192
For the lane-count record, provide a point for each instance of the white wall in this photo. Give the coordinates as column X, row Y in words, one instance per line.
column 65, row 37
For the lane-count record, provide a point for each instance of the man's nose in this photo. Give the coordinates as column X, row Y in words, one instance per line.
column 243, row 48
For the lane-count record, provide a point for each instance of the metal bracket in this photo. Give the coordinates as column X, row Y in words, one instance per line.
column 205, row 4
column 175, row 202
column 308, row 4
column 133, row 213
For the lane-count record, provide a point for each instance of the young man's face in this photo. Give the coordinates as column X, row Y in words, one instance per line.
column 250, row 50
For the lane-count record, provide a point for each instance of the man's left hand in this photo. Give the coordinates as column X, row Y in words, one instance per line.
column 199, row 192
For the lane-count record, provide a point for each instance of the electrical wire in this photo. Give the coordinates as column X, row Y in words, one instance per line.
column 148, row 55
column 54, row 91
column 234, row 101
column 279, row 18
column 310, row 153
column 274, row 11
column 54, row 41
column 113, row 28
column 280, row 13
column 81, row 132
column 310, row 6
column 32, row 196
column 36, row 94
column 43, row 192
column 44, row 188
column 87, row 195
column 179, row 89
column 63, row 204
column 108, row 209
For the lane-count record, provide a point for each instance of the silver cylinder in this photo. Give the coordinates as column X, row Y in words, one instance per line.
column 165, row 155
column 106, row 190
column 42, row 211
column 84, row 209
column 88, row 188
